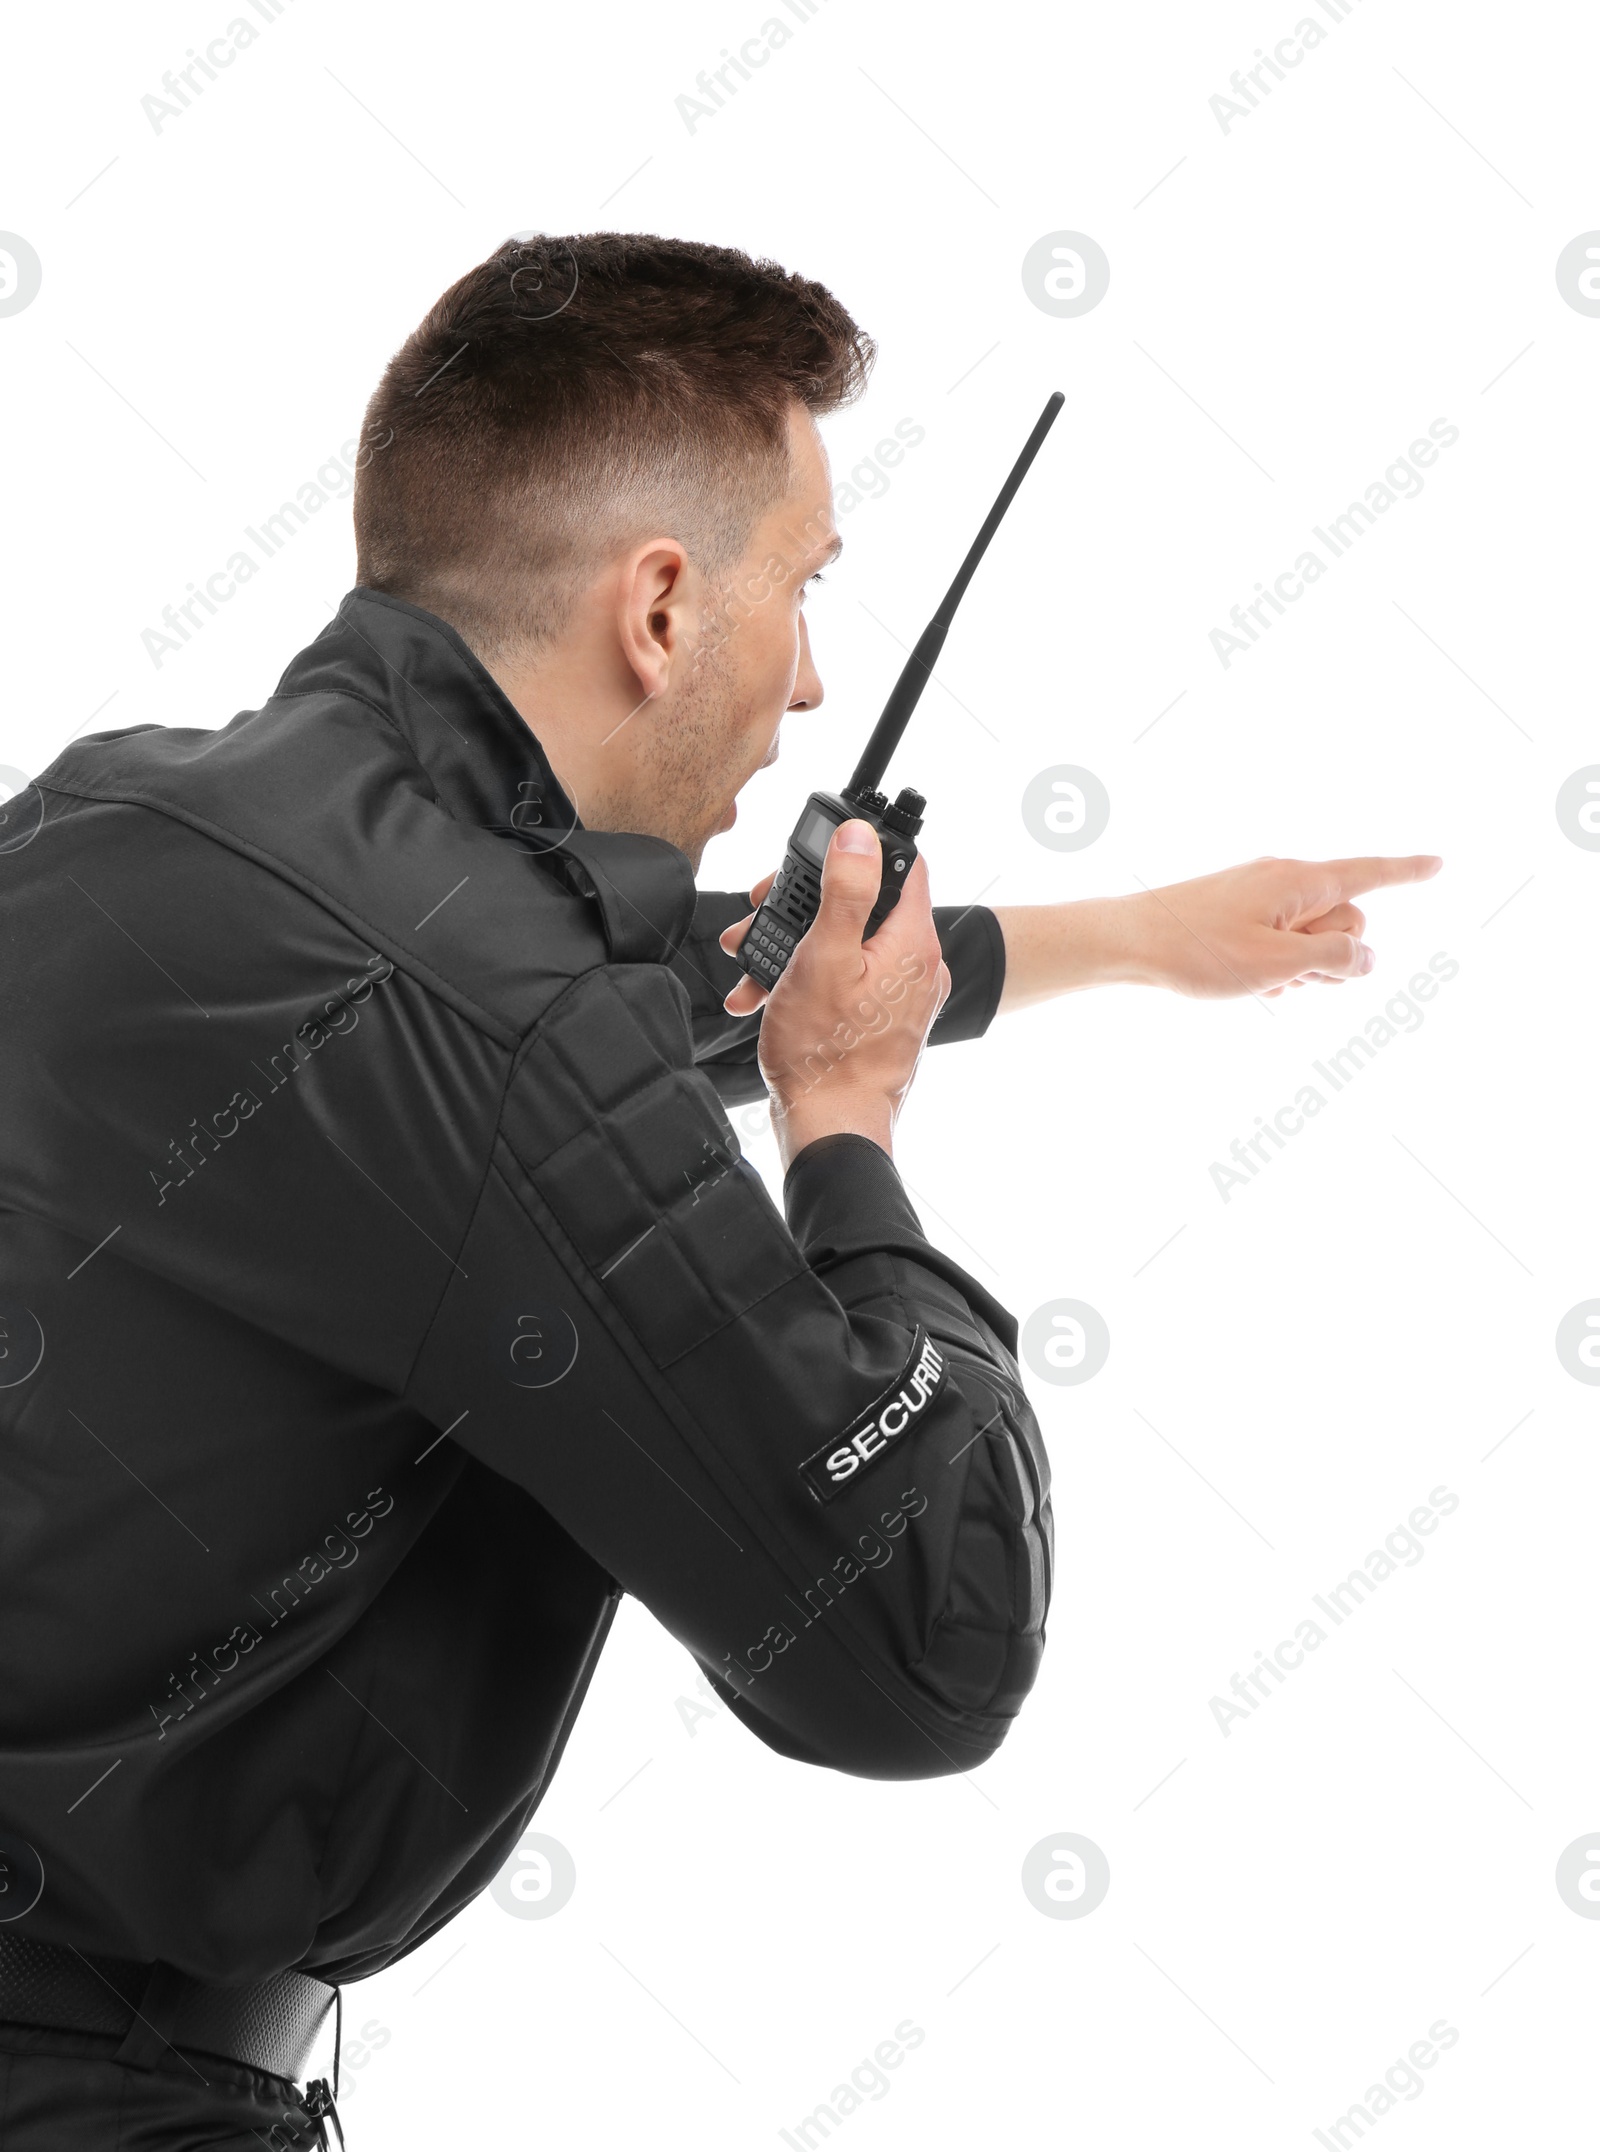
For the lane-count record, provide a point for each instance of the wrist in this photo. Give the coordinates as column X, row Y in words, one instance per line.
column 1138, row 940
column 1056, row 949
column 804, row 1120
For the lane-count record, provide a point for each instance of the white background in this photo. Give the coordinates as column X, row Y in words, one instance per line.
column 1370, row 250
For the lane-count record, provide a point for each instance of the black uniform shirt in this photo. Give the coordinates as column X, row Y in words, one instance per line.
column 384, row 1294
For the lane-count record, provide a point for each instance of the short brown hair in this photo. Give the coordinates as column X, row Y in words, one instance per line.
column 570, row 395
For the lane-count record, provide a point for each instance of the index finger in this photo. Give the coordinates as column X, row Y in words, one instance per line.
column 1351, row 876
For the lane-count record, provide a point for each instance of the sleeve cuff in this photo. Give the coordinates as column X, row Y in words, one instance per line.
column 843, row 1196
column 975, row 950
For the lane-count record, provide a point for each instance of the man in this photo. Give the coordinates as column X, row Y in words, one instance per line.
column 384, row 1292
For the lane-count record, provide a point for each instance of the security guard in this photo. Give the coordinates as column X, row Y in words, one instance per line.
column 384, row 1293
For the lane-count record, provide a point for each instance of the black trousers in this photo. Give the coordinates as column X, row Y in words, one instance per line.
column 63, row 2092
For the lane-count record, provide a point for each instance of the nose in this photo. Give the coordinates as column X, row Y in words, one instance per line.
column 807, row 682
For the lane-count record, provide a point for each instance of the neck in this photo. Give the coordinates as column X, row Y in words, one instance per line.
column 580, row 713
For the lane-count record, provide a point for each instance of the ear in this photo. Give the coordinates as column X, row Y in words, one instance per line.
column 654, row 611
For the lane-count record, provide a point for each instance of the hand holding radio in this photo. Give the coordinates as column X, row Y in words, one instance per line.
column 845, row 1027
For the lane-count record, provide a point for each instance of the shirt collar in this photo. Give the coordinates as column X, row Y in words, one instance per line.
column 487, row 767
column 484, row 761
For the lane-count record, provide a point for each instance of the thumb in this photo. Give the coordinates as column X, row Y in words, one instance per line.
column 852, row 875
column 1336, row 956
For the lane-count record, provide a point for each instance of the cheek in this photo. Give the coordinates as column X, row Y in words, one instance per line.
column 782, row 648
column 774, row 661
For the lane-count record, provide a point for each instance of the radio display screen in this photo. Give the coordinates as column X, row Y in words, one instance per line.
column 815, row 833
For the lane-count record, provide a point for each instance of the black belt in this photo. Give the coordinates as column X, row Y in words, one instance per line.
column 267, row 2025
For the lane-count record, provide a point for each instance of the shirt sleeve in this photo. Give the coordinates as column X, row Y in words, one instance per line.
column 725, row 1046
column 802, row 1443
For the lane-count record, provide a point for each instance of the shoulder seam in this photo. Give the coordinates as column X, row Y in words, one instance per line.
column 443, row 989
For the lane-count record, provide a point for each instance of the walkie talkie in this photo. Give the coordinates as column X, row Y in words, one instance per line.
column 792, row 902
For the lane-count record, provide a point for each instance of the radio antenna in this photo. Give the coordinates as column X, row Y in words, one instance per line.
column 907, row 690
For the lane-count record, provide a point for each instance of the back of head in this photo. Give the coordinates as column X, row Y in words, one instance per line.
column 570, row 396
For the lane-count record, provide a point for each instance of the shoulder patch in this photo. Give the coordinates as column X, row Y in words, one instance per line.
column 880, row 1427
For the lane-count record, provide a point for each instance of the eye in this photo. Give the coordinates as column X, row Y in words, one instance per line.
column 817, row 577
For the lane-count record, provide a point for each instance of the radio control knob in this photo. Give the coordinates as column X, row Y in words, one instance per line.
column 906, row 813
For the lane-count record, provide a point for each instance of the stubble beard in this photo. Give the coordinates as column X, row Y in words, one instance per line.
column 689, row 751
